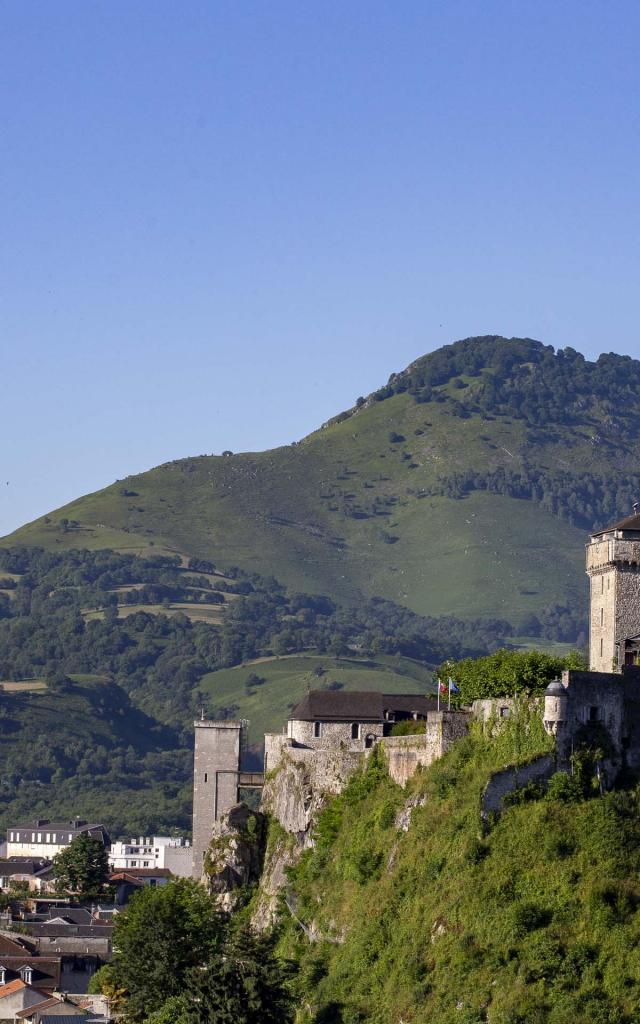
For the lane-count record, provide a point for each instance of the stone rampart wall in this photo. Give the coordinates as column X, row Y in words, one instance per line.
column 405, row 754
column 509, row 779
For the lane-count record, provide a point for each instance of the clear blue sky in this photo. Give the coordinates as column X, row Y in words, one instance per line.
column 223, row 221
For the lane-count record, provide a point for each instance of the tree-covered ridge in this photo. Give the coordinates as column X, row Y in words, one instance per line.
column 524, row 379
column 588, row 500
column 436, row 504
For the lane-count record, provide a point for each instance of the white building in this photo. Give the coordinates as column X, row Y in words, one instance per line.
column 174, row 853
column 44, row 838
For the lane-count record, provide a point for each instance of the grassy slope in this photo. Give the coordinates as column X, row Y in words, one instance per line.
column 287, row 680
column 535, row 922
column 286, row 512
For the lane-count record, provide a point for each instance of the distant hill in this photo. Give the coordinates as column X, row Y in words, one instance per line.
column 464, row 486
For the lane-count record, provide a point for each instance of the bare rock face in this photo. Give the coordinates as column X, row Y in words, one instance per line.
column 294, row 797
column 235, row 855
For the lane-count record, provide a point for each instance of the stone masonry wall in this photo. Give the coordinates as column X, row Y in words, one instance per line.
column 215, row 780
column 334, row 734
column 627, row 610
column 602, row 620
column 508, row 779
column 406, row 753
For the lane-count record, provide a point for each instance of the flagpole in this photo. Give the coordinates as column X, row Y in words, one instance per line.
column 438, row 687
column 449, row 706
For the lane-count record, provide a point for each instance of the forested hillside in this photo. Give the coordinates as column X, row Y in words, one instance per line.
column 465, row 486
column 106, row 658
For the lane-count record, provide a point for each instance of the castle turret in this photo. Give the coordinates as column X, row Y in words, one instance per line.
column 613, row 567
column 556, row 704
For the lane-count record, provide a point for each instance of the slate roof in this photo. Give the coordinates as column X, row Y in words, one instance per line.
column 359, row 706
column 47, row 969
column 46, row 930
column 629, row 523
column 66, row 1018
column 46, row 1004
column 69, row 915
column 23, row 865
column 14, row 947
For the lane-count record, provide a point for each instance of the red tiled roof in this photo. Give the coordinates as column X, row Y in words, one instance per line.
column 46, row 1004
column 11, row 987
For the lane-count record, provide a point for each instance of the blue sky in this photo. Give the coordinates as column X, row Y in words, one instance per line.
column 224, row 221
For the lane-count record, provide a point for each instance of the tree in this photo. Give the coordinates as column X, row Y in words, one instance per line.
column 162, row 934
column 244, row 983
column 82, row 867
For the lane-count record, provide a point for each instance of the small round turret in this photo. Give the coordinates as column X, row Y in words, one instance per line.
column 556, row 700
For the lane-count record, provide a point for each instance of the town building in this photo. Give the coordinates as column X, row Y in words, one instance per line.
column 174, row 853
column 37, row 873
column 44, row 838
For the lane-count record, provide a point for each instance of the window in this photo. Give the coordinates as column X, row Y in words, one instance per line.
column 206, row 777
column 317, row 729
column 600, row 646
column 3, row 973
column 369, row 740
column 594, row 714
column 70, row 837
column 48, row 839
column 505, row 712
column 26, row 973
column 53, row 838
column 355, row 731
column 602, row 616
column 39, row 837
column 33, row 837
column 602, row 584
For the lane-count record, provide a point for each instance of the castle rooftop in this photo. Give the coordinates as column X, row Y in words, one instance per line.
column 630, row 524
column 363, row 706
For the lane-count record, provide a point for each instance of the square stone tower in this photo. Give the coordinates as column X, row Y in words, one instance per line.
column 613, row 567
column 216, row 774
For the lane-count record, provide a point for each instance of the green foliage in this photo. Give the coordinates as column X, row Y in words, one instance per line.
column 505, row 673
column 82, row 867
column 241, row 982
column 535, row 920
column 111, row 735
column 161, row 935
column 408, row 728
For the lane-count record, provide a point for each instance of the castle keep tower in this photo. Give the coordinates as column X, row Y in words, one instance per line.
column 216, row 773
column 613, row 567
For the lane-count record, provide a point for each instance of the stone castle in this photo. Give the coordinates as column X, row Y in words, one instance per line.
column 328, row 733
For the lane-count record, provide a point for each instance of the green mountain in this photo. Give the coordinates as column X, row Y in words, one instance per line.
column 464, row 486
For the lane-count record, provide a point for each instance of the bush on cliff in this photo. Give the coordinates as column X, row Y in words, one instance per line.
column 506, row 673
